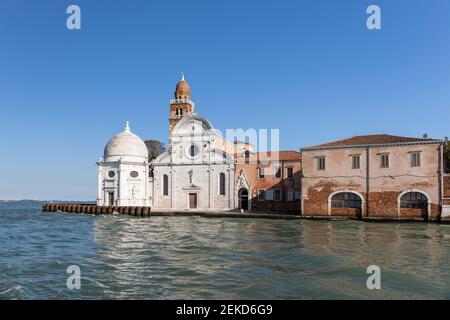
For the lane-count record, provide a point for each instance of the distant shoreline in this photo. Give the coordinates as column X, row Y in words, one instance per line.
column 49, row 201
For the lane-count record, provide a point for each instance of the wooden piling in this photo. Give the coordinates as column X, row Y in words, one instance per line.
column 145, row 211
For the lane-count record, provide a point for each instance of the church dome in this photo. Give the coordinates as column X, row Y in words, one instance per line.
column 126, row 146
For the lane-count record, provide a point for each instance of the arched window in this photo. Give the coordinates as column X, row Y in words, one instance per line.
column 414, row 200
column 165, row 185
column 222, row 184
column 193, row 150
column 346, row 200
column 179, row 112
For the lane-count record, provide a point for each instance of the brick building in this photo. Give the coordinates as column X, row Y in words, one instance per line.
column 268, row 181
column 446, row 198
column 374, row 176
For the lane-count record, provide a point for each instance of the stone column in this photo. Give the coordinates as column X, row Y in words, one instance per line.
column 121, row 184
column 172, row 186
column 146, row 181
column 99, row 184
column 210, row 187
column 229, row 186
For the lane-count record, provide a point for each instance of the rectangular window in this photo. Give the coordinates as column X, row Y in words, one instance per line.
column 277, row 172
column 297, row 195
column 165, row 185
column 415, row 159
column 356, row 162
column 269, row 194
column 384, row 160
column 222, row 184
column 277, row 194
column 261, row 173
column 321, row 163
column 290, row 195
column 261, row 195
column 290, row 172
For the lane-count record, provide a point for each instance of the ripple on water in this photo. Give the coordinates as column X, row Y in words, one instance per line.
column 121, row 257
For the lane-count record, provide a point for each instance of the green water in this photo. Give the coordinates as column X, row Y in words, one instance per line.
column 123, row 257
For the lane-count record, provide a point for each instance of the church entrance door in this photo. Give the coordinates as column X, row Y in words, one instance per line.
column 243, row 199
column 192, row 201
column 110, row 198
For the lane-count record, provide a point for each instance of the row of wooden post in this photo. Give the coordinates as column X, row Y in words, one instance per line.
column 94, row 209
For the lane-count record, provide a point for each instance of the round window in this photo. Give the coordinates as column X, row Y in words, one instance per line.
column 134, row 174
column 111, row 174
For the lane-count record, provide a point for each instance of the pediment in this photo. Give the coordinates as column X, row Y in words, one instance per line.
column 191, row 186
column 242, row 181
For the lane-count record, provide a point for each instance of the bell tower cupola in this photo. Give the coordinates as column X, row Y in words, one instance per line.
column 182, row 90
column 181, row 106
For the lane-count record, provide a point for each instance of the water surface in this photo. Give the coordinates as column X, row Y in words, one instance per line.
column 123, row 257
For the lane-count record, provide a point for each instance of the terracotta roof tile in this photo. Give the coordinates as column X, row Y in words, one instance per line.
column 371, row 140
column 278, row 155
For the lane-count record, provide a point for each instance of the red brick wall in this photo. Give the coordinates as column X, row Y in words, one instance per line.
column 413, row 213
column 383, row 204
column 276, row 206
column 346, row 212
column 447, row 185
column 435, row 211
column 317, row 202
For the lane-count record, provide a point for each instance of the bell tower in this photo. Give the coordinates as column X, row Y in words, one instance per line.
column 181, row 106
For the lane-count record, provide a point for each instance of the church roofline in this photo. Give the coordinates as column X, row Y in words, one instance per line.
column 191, row 117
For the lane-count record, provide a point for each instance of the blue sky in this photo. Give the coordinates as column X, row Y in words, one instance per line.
column 310, row 68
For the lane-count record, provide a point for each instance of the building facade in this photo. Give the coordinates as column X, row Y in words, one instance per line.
column 375, row 176
column 268, row 181
column 446, row 197
column 193, row 174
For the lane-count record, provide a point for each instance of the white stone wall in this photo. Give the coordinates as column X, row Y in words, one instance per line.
column 128, row 190
column 205, row 182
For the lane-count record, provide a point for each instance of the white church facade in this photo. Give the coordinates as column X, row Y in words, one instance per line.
column 195, row 173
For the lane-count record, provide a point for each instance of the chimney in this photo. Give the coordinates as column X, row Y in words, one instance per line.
column 425, row 136
column 446, row 141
